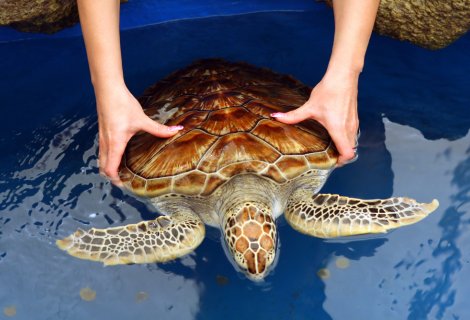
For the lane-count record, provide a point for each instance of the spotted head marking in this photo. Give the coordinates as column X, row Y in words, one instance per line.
column 250, row 235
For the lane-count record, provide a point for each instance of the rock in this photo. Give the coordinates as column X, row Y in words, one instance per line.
column 47, row 16
column 432, row 24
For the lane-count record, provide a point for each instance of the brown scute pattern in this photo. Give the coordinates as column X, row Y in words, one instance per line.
column 278, row 95
column 288, row 139
column 250, row 76
column 156, row 187
column 154, row 92
column 214, row 84
column 220, row 100
column 323, row 160
column 238, row 146
column 195, row 86
column 229, row 120
column 191, row 183
column 180, row 156
column 204, row 68
column 250, row 234
column 169, row 93
column 182, row 104
column 314, row 128
column 274, row 173
column 160, row 240
column 154, row 112
column 292, row 166
column 165, row 110
column 264, row 109
column 188, row 120
column 125, row 175
column 243, row 167
column 138, row 185
column 225, row 109
column 330, row 215
column 332, row 152
column 140, row 150
column 213, row 182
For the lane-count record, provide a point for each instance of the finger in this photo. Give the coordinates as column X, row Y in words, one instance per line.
column 344, row 146
column 294, row 116
column 102, row 153
column 160, row 130
column 113, row 162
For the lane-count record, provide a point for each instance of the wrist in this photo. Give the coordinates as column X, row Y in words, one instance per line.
column 341, row 77
column 105, row 87
column 346, row 71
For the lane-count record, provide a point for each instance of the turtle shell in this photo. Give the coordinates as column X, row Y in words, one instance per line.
column 225, row 110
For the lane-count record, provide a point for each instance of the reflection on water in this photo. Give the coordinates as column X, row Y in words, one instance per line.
column 439, row 294
column 49, row 186
column 418, row 276
column 54, row 188
column 434, row 275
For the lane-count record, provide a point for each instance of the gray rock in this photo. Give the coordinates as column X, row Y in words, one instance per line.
column 432, row 24
column 46, row 16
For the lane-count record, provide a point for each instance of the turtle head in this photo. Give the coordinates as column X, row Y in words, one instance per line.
column 250, row 235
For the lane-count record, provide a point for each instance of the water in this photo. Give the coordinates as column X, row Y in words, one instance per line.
column 415, row 118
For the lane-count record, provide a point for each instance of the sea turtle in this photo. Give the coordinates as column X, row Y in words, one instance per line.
column 235, row 168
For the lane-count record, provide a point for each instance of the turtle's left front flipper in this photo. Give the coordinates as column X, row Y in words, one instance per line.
column 330, row 215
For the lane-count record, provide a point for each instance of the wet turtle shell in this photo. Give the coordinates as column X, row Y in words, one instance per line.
column 225, row 110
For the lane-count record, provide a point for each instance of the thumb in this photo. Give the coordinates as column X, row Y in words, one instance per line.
column 292, row 117
column 160, row 130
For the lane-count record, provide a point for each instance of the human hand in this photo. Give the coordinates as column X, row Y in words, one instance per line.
column 333, row 103
column 120, row 116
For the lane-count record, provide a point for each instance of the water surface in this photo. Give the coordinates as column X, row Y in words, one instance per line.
column 415, row 119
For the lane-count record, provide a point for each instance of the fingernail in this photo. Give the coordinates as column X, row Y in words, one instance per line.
column 278, row 115
column 175, row 128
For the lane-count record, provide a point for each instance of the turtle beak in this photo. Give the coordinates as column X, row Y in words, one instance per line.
column 250, row 235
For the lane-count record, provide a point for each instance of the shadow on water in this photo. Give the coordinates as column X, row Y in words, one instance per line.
column 49, row 183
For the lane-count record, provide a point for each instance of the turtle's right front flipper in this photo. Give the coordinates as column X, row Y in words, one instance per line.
column 163, row 239
column 331, row 215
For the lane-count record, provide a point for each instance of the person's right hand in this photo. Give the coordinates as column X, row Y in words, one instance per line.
column 120, row 116
column 333, row 103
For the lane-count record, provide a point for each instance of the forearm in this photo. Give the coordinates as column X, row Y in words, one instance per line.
column 100, row 26
column 354, row 21
column 120, row 115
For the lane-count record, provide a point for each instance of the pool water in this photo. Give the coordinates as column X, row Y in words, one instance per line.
column 415, row 119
